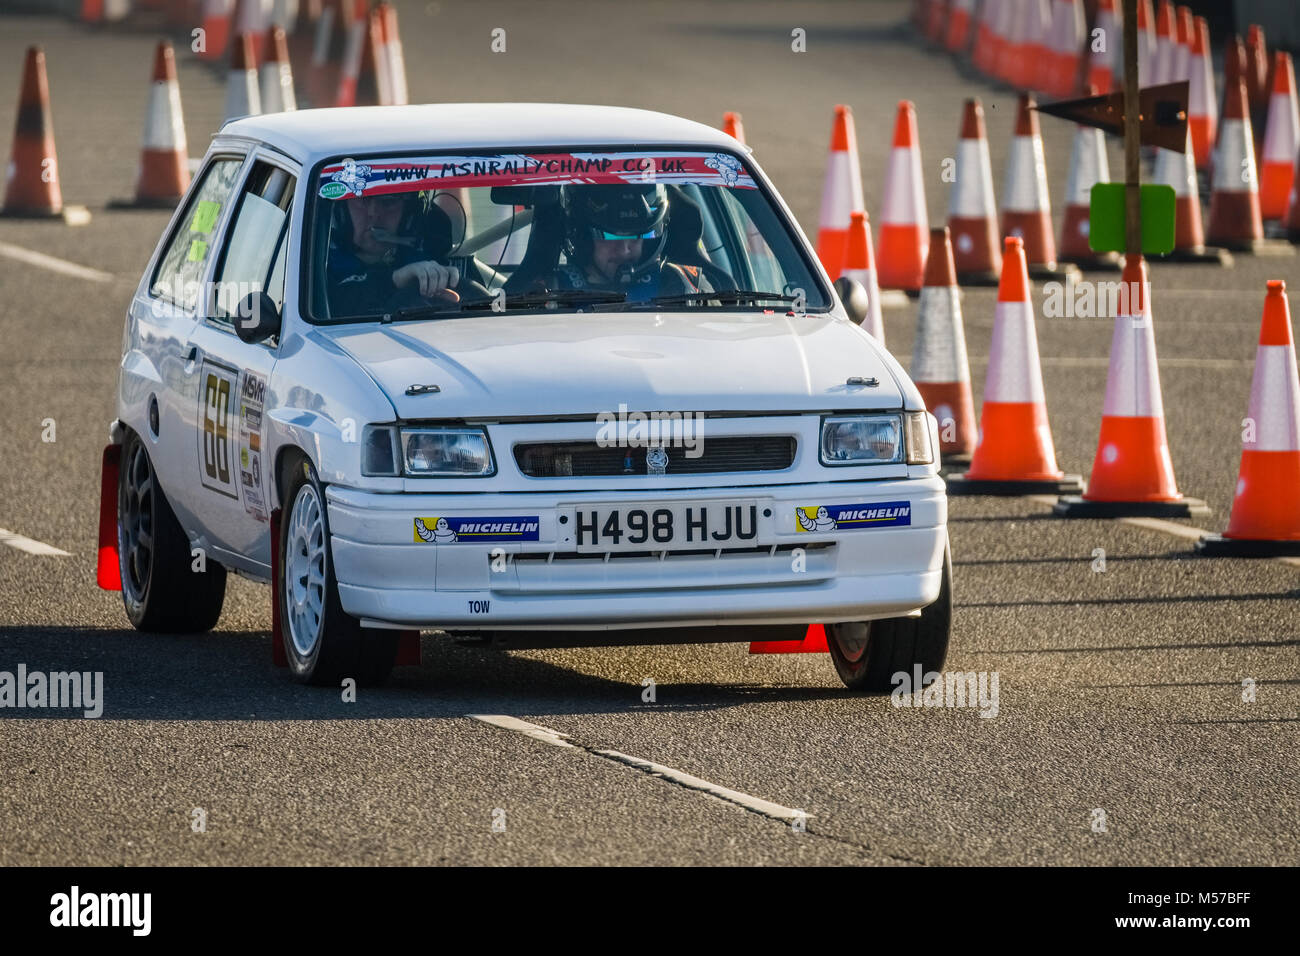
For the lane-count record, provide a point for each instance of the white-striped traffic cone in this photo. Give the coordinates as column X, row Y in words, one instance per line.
column 1235, row 221
column 276, row 75
column 1088, row 166
column 355, row 18
column 394, row 60
column 1166, row 43
column 1132, row 473
column 1281, row 141
column 242, row 96
column 164, row 159
column 1178, row 170
column 1202, row 106
column 1183, row 31
column 1105, row 55
column 1146, row 37
column 252, row 18
column 841, row 192
column 904, row 228
column 940, row 368
column 1064, row 50
column 1026, row 208
column 972, row 212
column 1265, row 519
column 957, row 35
column 860, row 265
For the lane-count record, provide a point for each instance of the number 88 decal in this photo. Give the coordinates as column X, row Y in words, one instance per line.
column 214, row 409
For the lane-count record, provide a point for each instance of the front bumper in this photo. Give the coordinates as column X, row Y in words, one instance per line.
column 388, row 577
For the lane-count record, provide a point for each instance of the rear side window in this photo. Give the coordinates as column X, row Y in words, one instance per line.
column 253, row 260
column 183, row 263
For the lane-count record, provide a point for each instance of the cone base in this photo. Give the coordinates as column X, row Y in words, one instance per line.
column 1210, row 254
column 978, row 278
column 1217, row 546
column 1065, row 485
column 1076, row 507
column 71, row 215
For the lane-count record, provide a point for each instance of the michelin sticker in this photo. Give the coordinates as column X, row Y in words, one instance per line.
column 472, row 530
column 352, row 178
column 882, row 514
column 728, row 167
column 252, row 401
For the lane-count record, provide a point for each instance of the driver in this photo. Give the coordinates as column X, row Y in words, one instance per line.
column 614, row 240
column 377, row 261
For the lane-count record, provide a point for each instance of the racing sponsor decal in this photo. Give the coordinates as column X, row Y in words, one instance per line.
column 252, row 402
column 218, row 388
column 880, row 514
column 349, row 178
column 454, row 530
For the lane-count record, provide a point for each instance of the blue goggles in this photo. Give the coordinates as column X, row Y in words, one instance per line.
column 616, row 236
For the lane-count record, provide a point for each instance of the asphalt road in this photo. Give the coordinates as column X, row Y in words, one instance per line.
column 1119, row 690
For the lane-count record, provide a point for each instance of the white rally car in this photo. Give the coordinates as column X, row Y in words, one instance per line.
column 539, row 375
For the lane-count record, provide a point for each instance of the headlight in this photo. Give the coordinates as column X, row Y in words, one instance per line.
column 918, row 429
column 860, row 440
column 447, row 452
column 379, row 450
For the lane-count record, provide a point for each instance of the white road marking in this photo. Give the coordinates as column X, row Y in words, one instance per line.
column 556, row 739
column 15, row 540
column 33, row 258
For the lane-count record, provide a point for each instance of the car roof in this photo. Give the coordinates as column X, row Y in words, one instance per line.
column 312, row 135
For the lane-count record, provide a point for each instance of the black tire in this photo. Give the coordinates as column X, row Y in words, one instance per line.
column 338, row 647
column 867, row 654
column 161, row 591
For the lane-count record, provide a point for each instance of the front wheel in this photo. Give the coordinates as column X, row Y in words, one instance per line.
column 323, row 643
column 867, row 654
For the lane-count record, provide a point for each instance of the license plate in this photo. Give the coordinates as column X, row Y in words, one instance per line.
column 663, row 527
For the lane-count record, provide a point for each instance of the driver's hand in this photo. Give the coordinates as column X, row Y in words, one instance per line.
column 429, row 278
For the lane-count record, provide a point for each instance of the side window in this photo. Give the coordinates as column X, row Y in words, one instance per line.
column 183, row 262
column 253, row 260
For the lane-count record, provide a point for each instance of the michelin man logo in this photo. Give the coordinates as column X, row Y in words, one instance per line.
column 354, row 176
column 441, row 533
column 728, row 168
column 820, row 521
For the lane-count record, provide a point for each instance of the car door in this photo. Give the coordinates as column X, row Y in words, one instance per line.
column 164, row 317
column 228, row 387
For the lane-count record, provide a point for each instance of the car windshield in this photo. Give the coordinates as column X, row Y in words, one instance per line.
column 445, row 235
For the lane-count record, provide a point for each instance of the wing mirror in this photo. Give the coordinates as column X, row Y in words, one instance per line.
column 854, row 297
column 257, row 318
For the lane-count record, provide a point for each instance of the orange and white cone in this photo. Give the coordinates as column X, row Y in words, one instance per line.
column 1257, row 88
column 987, row 48
column 1202, row 108
column 164, row 160
column 1006, row 15
column 1026, row 209
column 1265, row 519
column 242, row 95
column 1132, row 473
column 936, row 19
column 1281, row 141
column 1292, row 223
column 328, row 44
column 940, row 368
column 253, row 19
column 1015, row 454
column 276, row 75
column 1088, row 166
column 961, row 17
column 859, row 265
column 32, row 180
column 394, row 60
column 734, row 126
column 1146, row 37
column 1235, row 221
column 1102, row 72
column 904, row 228
column 1184, row 29
column 216, row 28
column 356, row 26
column 972, row 213
column 1027, row 49
column 1166, row 43
column 841, row 192
column 1064, row 53
column 1178, row 170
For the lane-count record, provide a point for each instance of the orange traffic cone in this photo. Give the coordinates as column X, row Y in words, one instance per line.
column 216, row 28
column 1183, row 32
column 859, row 265
column 327, row 55
column 394, row 60
column 356, row 27
column 987, row 48
column 1026, row 209
column 1163, row 62
column 1292, row 224
column 32, row 183
column 1015, row 454
column 1202, row 110
column 1064, row 50
column 1234, row 201
column 1257, row 88
column 1265, row 519
column 1102, row 72
column 1027, row 49
column 1088, row 166
column 242, row 96
column 972, row 215
column 936, row 19
column 1004, row 29
column 841, row 192
column 904, row 228
column 940, row 368
column 1179, row 171
column 164, row 159
column 734, row 126
column 1146, row 37
column 276, row 75
column 1281, row 141
column 251, row 18
column 1132, row 473
column 957, row 36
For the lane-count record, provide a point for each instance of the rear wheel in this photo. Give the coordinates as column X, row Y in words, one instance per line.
column 867, row 654
column 161, row 589
column 324, row 644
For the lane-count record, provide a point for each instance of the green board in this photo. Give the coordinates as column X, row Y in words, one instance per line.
column 1106, row 219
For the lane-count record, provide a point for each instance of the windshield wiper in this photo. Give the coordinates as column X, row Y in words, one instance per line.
column 739, row 296
column 558, row 296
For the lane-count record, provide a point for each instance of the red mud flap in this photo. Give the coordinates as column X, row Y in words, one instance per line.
column 408, row 645
column 814, row 642
column 108, row 571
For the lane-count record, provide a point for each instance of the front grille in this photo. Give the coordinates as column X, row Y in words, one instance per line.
column 586, row 459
